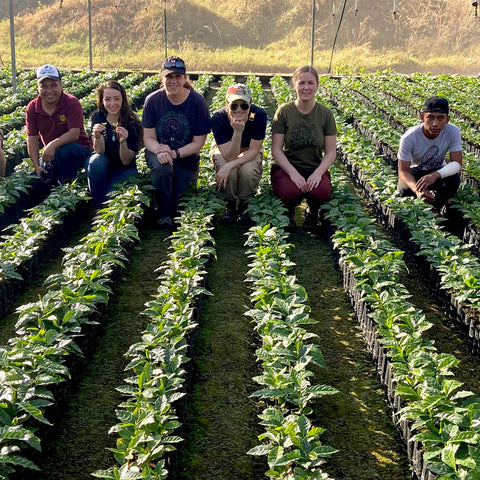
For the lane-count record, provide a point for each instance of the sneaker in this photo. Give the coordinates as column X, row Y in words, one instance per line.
column 165, row 222
column 245, row 219
column 311, row 222
column 229, row 215
column 291, row 219
column 243, row 215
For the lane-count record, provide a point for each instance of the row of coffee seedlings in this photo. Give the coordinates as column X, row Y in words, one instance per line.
column 36, row 238
column 290, row 442
column 466, row 200
column 39, row 359
column 410, row 93
column 202, row 84
column 458, row 270
column 452, row 272
column 401, row 116
column 402, row 102
column 360, row 232
column 11, row 190
column 22, row 76
column 463, row 107
column 148, row 418
column 438, row 420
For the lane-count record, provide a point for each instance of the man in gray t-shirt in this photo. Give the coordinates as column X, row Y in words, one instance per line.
column 422, row 168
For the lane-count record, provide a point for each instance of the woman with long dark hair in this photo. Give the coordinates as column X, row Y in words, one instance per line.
column 116, row 137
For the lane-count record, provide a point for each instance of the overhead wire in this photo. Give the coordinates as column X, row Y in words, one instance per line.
column 336, row 35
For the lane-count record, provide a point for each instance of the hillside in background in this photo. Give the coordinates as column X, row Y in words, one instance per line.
column 247, row 35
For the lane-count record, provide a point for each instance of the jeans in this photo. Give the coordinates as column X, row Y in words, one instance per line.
column 444, row 188
column 67, row 161
column 171, row 181
column 102, row 177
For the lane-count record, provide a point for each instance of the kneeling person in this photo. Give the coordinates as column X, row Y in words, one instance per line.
column 239, row 131
column 55, row 118
column 422, row 169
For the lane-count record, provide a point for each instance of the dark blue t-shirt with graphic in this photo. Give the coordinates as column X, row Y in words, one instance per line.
column 176, row 125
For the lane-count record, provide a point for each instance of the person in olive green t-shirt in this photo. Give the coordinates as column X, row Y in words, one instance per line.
column 303, row 147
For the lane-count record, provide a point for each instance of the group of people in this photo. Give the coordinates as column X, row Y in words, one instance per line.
column 174, row 127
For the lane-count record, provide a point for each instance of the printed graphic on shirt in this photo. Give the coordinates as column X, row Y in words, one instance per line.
column 63, row 118
column 173, row 129
column 431, row 160
column 302, row 136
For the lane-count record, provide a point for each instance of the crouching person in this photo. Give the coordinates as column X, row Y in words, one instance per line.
column 239, row 131
column 56, row 119
column 422, row 169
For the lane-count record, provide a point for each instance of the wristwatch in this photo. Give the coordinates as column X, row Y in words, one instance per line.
column 178, row 154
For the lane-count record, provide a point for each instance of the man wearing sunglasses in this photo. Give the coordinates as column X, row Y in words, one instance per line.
column 239, row 131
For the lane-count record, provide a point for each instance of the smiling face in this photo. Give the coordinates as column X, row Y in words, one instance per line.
column 305, row 86
column 112, row 101
column 173, row 83
column 238, row 109
column 433, row 123
column 50, row 91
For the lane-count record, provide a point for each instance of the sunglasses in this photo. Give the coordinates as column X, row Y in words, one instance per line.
column 174, row 63
column 243, row 106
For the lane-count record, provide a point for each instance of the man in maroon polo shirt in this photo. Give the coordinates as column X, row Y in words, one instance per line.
column 56, row 118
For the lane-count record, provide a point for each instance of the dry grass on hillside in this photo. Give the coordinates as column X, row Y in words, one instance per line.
column 247, row 35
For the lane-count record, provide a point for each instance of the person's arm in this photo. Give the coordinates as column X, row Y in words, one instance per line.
column 406, row 177
column 241, row 157
column 71, row 136
column 33, row 150
column 282, row 161
column 246, row 156
column 98, row 140
column 150, row 140
column 3, row 163
column 409, row 180
column 456, row 157
column 330, row 147
column 126, row 155
column 451, row 168
column 231, row 149
column 192, row 148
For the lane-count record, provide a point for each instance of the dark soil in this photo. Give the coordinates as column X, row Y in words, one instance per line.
column 221, row 421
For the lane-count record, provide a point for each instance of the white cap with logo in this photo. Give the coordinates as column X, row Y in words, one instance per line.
column 48, row 71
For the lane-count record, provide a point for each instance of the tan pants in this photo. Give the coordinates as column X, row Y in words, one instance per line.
column 242, row 182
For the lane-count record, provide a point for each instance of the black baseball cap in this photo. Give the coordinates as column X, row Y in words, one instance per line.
column 173, row 65
column 436, row 105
